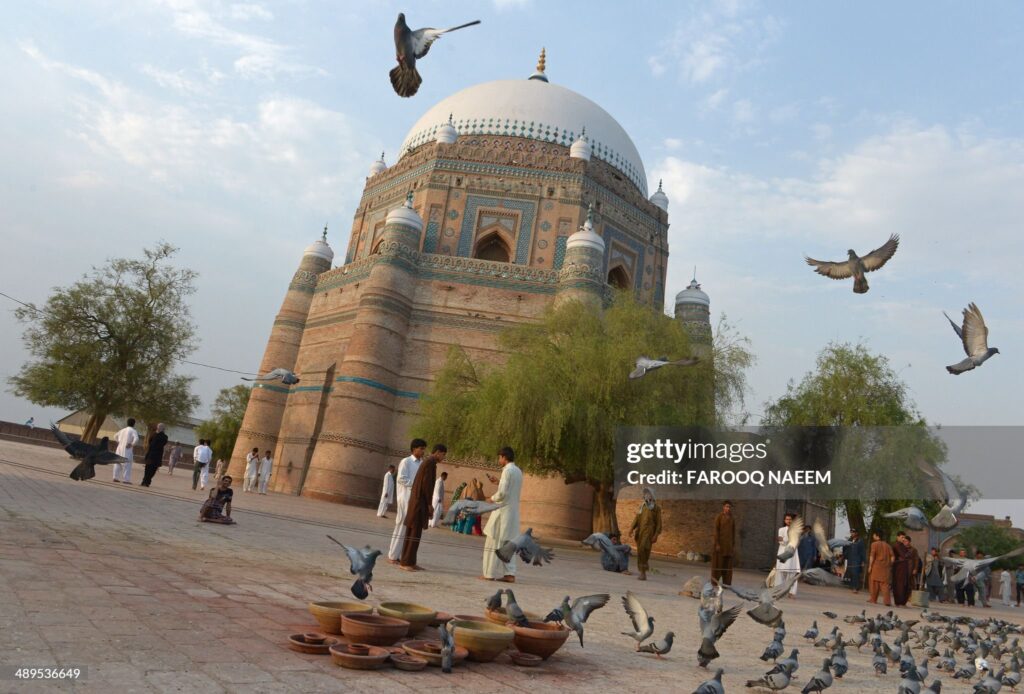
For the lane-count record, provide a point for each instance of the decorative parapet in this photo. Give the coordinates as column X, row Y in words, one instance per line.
column 303, row 281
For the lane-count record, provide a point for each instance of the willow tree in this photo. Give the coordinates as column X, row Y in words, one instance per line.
column 110, row 342
column 564, row 389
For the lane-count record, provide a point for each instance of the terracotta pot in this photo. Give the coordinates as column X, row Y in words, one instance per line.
column 371, row 661
column 358, row 648
column 419, row 649
column 375, row 630
column 468, row 618
column 329, row 613
column 500, row 616
column 540, row 638
column 312, row 637
column 484, row 640
column 419, row 617
column 318, row 646
column 409, row 662
column 441, row 618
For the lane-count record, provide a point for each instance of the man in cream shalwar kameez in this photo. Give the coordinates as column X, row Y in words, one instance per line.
column 503, row 525
column 438, row 500
column 407, row 470
column 783, row 569
column 126, row 439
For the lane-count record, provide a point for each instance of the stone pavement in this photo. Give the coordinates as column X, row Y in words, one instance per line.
column 124, row 581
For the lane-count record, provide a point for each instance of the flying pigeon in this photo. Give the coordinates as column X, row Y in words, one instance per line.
column 969, row 567
column 527, row 549
column 796, row 529
column 819, row 538
column 644, row 364
column 912, row 517
column 974, row 335
column 712, row 629
column 818, row 576
column 514, row 611
column 713, row 685
column 954, row 499
column 362, row 561
column 284, row 375
column 821, row 681
column 608, row 548
column 766, row 612
column 410, row 46
column 575, row 616
column 90, row 455
column 447, row 647
column 856, row 266
column 643, row 623
column 658, row 648
column 475, row 508
column 775, row 679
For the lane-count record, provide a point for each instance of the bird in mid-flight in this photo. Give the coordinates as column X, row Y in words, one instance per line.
column 362, row 562
column 410, row 46
column 855, row 266
column 974, row 335
column 90, row 455
column 284, row 375
column 644, row 364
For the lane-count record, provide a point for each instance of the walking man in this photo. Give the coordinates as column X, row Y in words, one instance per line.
column 174, row 458
column 855, row 560
column 503, row 525
column 934, row 575
column 252, row 470
column 645, row 530
column 438, row 499
column 126, row 440
column 783, row 569
column 266, row 470
column 387, row 494
column 724, row 541
column 419, row 510
column 154, row 454
column 407, row 470
column 880, row 569
column 201, row 455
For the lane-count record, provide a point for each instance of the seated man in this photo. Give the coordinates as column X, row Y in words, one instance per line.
column 617, row 559
column 217, row 508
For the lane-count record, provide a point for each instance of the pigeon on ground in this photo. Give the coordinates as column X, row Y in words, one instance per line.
column 712, row 629
column 362, row 561
column 793, row 535
column 527, row 549
column 643, row 623
column 470, row 506
column 791, row 661
column 604, row 543
column 284, row 375
column 974, row 335
column 856, row 618
column 447, row 648
column 772, row 651
column 658, row 648
column 494, row 602
column 645, row 364
column 855, row 266
column 830, row 614
column 775, row 679
column 766, row 613
column 575, row 616
column 90, row 455
column 513, row 611
column 970, row 567
column 989, row 684
column 713, row 685
column 880, row 662
column 410, row 46
column 839, row 663
column 821, row 681
column 936, row 687
column 812, row 633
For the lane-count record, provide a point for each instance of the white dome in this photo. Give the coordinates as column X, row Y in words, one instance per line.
column 405, row 215
column 659, row 198
column 534, row 109
column 581, row 148
column 447, row 134
column 320, row 249
column 378, row 166
column 586, row 237
column 693, row 295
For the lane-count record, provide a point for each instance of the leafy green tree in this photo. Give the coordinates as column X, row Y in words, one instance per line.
column 226, row 419
column 853, row 389
column 110, row 342
column 992, row 540
column 564, row 390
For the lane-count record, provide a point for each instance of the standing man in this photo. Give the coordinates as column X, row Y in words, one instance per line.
column 934, row 575
column 503, row 525
column 880, row 569
column 387, row 494
column 252, row 470
column 983, row 580
column 807, row 549
column 266, row 470
column 202, row 455
column 154, row 454
column 724, row 542
column 420, row 508
column 645, row 529
column 407, row 470
column 855, row 556
column 438, row 499
column 126, row 440
column 174, row 458
column 783, row 569
column 902, row 571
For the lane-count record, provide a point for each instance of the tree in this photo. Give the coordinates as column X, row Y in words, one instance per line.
column 225, row 419
column 563, row 391
column 109, row 343
column 854, row 389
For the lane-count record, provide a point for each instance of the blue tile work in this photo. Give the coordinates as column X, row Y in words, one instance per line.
column 559, row 252
column 612, row 234
column 527, row 210
column 433, row 230
column 378, row 385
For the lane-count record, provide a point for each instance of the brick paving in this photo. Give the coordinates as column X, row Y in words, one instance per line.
column 124, row 581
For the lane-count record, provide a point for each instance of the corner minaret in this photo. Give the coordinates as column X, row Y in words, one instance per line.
column 693, row 310
column 582, row 274
column 262, row 419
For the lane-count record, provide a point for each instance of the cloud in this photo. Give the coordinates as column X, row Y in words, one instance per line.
column 248, row 10
column 176, row 81
column 503, row 5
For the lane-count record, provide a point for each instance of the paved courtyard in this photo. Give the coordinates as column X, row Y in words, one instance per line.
column 124, row 582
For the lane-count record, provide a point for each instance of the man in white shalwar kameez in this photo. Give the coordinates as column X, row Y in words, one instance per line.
column 438, row 500
column 784, row 569
column 266, row 470
column 126, row 440
column 387, row 493
column 407, row 470
column 503, row 525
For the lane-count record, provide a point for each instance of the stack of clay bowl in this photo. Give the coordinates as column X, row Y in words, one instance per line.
column 359, row 656
column 483, row 640
column 419, row 617
column 375, row 630
column 539, row 638
column 329, row 614
column 500, row 616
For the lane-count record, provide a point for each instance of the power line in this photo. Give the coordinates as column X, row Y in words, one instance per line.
column 183, row 361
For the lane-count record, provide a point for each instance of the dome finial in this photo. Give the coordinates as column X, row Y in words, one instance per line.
column 542, row 62
column 325, row 232
column 694, row 267
column 590, row 214
column 408, row 200
column 659, row 188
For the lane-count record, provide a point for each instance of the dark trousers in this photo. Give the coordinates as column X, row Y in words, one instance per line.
column 151, row 468
column 196, row 469
column 721, row 569
column 933, row 592
column 411, row 546
column 965, row 593
column 1020, row 592
column 854, row 574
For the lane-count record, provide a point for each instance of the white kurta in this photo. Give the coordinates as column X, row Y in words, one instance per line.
column 437, row 501
column 1004, row 587
column 266, row 470
column 252, row 470
column 407, row 470
column 783, row 569
column 387, row 494
column 503, row 525
column 126, row 440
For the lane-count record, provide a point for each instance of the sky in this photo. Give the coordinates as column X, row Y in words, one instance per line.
column 236, row 130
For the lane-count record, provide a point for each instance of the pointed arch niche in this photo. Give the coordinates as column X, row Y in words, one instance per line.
column 495, row 236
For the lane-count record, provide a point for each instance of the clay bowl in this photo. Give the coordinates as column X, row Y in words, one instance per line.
column 525, row 659
column 441, row 618
column 420, row 650
column 539, row 638
column 375, row 630
column 468, row 618
column 411, row 663
column 371, row 661
column 315, row 644
column 500, row 616
column 419, row 617
column 484, row 640
column 359, row 649
column 329, row 613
